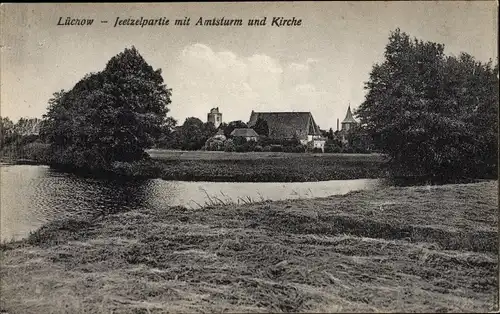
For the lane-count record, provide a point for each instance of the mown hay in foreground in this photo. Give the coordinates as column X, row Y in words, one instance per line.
column 290, row 256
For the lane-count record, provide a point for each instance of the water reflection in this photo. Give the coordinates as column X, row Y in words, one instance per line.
column 34, row 195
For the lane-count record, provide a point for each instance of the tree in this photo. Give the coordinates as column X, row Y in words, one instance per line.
column 429, row 112
column 166, row 138
column 192, row 135
column 261, row 127
column 358, row 140
column 222, row 126
column 330, row 134
column 109, row 116
column 209, row 129
column 6, row 130
column 234, row 125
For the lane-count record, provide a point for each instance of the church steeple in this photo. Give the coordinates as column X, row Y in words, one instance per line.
column 348, row 117
column 349, row 120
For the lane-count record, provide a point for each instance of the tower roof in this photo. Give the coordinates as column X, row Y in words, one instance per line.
column 348, row 117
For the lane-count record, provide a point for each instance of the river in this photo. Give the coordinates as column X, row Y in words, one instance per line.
column 33, row 195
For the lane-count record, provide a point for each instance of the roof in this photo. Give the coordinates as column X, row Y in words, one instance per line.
column 348, row 117
column 244, row 133
column 287, row 124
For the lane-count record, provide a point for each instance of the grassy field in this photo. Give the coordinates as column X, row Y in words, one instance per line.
column 263, row 166
column 408, row 249
column 163, row 154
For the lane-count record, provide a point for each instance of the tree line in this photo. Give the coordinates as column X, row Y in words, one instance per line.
column 21, row 140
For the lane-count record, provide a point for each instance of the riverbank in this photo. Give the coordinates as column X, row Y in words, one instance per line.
column 430, row 248
column 22, row 153
column 255, row 167
column 238, row 167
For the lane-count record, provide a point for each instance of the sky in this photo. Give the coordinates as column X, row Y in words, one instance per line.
column 320, row 66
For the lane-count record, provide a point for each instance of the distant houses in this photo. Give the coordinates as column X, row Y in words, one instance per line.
column 299, row 126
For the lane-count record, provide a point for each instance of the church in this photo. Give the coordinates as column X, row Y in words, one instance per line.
column 289, row 125
column 347, row 125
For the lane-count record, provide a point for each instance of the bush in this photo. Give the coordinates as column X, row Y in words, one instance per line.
column 238, row 141
column 249, row 146
column 317, row 150
column 229, row 146
column 214, row 145
column 266, row 148
column 26, row 147
column 239, row 148
column 360, row 150
column 299, row 149
column 142, row 168
column 332, row 149
column 347, row 150
column 288, row 149
column 37, row 151
column 266, row 141
column 258, row 148
column 276, row 148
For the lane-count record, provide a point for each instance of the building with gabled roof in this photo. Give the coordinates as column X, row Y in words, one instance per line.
column 248, row 134
column 289, row 125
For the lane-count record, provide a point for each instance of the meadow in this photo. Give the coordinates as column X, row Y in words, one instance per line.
column 227, row 166
column 396, row 249
column 255, row 166
column 164, row 154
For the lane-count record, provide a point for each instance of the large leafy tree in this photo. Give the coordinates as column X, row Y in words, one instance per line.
column 434, row 116
column 108, row 116
column 194, row 133
column 167, row 136
column 358, row 140
column 261, row 127
column 238, row 124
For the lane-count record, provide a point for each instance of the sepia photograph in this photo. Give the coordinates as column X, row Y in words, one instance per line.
column 249, row 157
